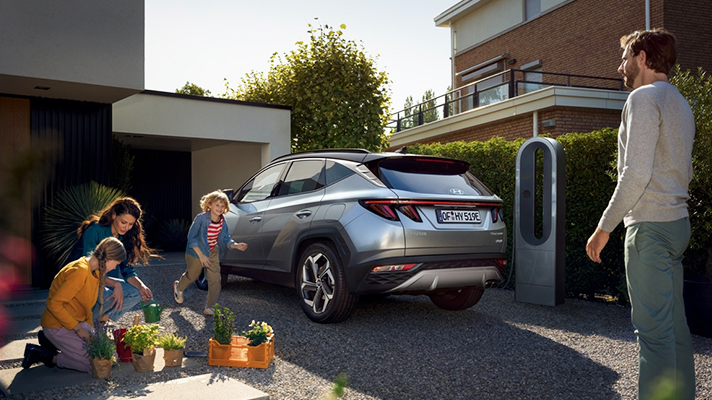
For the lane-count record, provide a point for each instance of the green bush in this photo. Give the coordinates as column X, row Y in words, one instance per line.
column 697, row 89
column 65, row 215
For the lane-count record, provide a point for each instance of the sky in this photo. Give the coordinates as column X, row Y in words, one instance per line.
column 208, row 41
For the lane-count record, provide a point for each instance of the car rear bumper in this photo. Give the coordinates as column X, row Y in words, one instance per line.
column 431, row 273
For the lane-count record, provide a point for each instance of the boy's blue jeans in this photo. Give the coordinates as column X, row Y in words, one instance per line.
column 653, row 260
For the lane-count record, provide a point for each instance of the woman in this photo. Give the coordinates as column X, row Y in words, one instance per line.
column 123, row 288
column 67, row 318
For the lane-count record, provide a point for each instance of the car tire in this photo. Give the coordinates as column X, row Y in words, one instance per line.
column 457, row 300
column 321, row 285
column 202, row 281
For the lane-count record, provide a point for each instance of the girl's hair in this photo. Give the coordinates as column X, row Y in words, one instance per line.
column 212, row 197
column 134, row 239
column 109, row 249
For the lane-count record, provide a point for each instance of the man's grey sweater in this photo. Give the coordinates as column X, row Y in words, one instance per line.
column 654, row 158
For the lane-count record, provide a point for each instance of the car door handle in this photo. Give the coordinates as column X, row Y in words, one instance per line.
column 255, row 220
column 303, row 214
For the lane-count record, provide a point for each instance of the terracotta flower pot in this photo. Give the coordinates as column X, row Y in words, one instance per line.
column 173, row 358
column 100, row 368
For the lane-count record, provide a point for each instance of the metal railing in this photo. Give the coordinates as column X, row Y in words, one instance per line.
column 493, row 89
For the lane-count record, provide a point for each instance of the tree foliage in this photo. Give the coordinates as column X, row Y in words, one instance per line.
column 338, row 98
column 193, row 89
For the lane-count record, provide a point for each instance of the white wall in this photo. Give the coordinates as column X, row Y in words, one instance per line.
column 87, row 42
column 224, row 167
column 487, row 21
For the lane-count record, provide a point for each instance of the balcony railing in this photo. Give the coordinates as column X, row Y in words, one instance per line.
column 493, row 89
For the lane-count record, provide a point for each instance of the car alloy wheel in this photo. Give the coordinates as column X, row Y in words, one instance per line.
column 202, row 281
column 322, row 286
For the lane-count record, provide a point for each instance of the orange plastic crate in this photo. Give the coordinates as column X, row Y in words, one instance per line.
column 239, row 354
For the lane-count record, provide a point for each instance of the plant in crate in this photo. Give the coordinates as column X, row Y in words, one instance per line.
column 223, row 325
column 142, row 340
column 102, row 353
column 259, row 333
column 172, row 346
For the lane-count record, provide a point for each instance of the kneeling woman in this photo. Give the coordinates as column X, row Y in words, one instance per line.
column 67, row 318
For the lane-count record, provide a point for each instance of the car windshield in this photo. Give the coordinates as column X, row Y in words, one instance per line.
column 434, row 176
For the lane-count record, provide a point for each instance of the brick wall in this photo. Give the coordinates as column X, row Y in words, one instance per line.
column 582, row 37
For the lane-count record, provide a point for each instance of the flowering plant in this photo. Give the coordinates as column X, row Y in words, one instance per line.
column 223, row 325
column 99, row 345
column 259, row 333
column 141, row 337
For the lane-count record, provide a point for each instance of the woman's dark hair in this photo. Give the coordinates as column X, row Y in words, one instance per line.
column 109, row 249
column 134, row 239
column 659, row 47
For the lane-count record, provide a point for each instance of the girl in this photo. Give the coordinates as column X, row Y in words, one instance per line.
column 208, row 230
column 67, row 318
column 123, row 288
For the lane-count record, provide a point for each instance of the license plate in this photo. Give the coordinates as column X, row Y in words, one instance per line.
column 458, row 216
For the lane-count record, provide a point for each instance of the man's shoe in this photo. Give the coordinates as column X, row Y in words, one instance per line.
column 177, row 294
column 34, row 354
column 45, row 343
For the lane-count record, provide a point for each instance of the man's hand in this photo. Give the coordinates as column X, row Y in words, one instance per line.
column 596, row 243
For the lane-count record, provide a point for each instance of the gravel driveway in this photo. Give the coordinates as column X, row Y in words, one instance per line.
column 403, row 347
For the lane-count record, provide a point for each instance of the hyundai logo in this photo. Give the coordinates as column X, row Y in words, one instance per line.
column 456, row 191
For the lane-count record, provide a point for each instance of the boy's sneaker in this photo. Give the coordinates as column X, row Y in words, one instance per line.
column 208, row 312
column 177, row 294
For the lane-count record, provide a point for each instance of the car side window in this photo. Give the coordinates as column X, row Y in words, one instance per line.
column 336, row 172
column 260, row 187
column 303, row 176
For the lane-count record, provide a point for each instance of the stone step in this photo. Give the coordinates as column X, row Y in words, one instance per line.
column 29, row 309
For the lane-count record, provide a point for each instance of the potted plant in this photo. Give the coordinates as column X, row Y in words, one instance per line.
column 142, row 340
column 101, row 350
column 172, row 346
column 255, row 348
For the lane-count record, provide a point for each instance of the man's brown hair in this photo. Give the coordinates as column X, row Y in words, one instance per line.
column 659, row 47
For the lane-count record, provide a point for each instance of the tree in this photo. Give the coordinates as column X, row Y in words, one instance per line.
column 193, row 89
column 430, row 112
column 338, row 98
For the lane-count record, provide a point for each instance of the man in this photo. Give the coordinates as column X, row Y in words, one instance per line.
column 654, row 170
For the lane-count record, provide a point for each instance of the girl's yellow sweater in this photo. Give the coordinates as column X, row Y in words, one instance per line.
column 71, row 296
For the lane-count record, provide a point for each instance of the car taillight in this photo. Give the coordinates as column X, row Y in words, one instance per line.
column 394, row 267
column 387, row 209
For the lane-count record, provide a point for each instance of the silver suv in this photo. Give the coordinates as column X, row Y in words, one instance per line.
column 336, row 224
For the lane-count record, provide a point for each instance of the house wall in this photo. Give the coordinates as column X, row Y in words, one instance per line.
column 572, row 39
column 567, row 120
column 80, row 49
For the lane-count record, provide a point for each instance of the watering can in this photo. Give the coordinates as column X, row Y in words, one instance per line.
column 152, row 311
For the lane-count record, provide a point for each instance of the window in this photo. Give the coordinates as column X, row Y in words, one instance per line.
column 303, row 176
column 532, row 9
column 260, row 187
column 336, row 172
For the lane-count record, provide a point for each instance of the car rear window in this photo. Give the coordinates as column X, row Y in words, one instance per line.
column 430, row 175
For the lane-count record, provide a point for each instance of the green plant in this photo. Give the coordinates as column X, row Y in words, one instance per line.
column 172, row 234
column 63, row 216
column 259, row 333
column 697, row 89
column 223, row 325
column 171, row 341
column 100, row 345
column 141, row 337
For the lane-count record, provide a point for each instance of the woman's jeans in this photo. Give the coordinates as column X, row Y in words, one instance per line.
column 131, row 297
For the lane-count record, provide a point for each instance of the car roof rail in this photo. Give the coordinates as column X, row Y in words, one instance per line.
column 322, row 151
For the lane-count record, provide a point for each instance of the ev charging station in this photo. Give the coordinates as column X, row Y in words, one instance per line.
column 540, row 260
